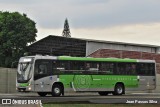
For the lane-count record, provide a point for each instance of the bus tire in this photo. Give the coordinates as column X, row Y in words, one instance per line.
column 42, row 94
column 102, row 93
column 119, row 89
column 57, row 90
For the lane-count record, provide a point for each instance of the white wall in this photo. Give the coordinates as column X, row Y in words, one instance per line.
column 94, row 46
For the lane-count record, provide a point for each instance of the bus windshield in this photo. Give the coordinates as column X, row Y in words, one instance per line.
column 24, row 72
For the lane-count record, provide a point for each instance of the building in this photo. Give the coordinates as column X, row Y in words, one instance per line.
column 58, row 45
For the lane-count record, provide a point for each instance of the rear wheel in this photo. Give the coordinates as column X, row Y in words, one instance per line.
column 42, row 94
column 56, row 90
column 103, row 93
column 119, row 89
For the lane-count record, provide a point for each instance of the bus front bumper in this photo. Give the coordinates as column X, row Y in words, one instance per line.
column 24, row 89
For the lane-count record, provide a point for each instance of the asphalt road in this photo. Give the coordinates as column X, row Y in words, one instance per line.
column 87, row 98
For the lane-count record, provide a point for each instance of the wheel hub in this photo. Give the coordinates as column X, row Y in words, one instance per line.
column 57, row 90
column 119, row 90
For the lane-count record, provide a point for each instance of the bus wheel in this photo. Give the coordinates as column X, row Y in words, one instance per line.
column 119, row 89
column 103, row 93
column 42, row 94
column 56, row 90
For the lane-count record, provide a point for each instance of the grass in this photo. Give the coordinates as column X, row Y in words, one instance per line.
column 100, row 105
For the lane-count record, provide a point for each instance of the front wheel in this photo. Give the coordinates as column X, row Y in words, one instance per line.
column 42, row 94
column 56, row 90
column 119, row 89
column 103, row 93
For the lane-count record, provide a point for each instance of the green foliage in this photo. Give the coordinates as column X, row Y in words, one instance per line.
column 16, row 32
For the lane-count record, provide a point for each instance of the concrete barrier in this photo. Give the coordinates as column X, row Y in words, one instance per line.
column 8, row 80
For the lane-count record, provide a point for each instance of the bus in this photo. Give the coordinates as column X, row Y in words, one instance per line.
column 57, row 75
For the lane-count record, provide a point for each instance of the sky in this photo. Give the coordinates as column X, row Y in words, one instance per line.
column 131, row 21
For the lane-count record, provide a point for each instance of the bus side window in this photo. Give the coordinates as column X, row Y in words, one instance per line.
column 146, row 69
column 106, row 68
column 121, row 68
column 42, row 69
column 130, row 69
column 139, row 69
column 110, row 68
column 67, row 66
column 87, row 66
column 59, row 67
column 133, row 69
column 152, row 69
column 55, row 65
column 143, row 69
column 77, row 67
column 91, row 67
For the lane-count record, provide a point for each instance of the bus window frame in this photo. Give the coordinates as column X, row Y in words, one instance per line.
column 48, row 72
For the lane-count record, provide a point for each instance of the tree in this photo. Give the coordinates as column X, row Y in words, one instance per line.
column 16, row 32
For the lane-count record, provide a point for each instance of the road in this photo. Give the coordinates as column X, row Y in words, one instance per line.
column 86, row 98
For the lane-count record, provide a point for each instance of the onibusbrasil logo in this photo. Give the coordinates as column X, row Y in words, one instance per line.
column 19, row 101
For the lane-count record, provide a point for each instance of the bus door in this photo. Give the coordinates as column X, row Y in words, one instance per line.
column 43, row 68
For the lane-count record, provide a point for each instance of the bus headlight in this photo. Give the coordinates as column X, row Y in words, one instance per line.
column 29, row 88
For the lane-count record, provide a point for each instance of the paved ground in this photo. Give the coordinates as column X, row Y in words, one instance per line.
column 79, row 98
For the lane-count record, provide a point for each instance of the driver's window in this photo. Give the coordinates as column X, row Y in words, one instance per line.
column 42, row 68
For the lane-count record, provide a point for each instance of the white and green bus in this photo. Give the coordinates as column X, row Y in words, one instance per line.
column 56, row 75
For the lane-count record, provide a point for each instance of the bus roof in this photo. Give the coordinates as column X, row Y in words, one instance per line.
column 102, row 59
column 95, row 59
column 90, row 59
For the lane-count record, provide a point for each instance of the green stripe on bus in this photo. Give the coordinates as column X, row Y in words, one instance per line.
column 95, row 59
